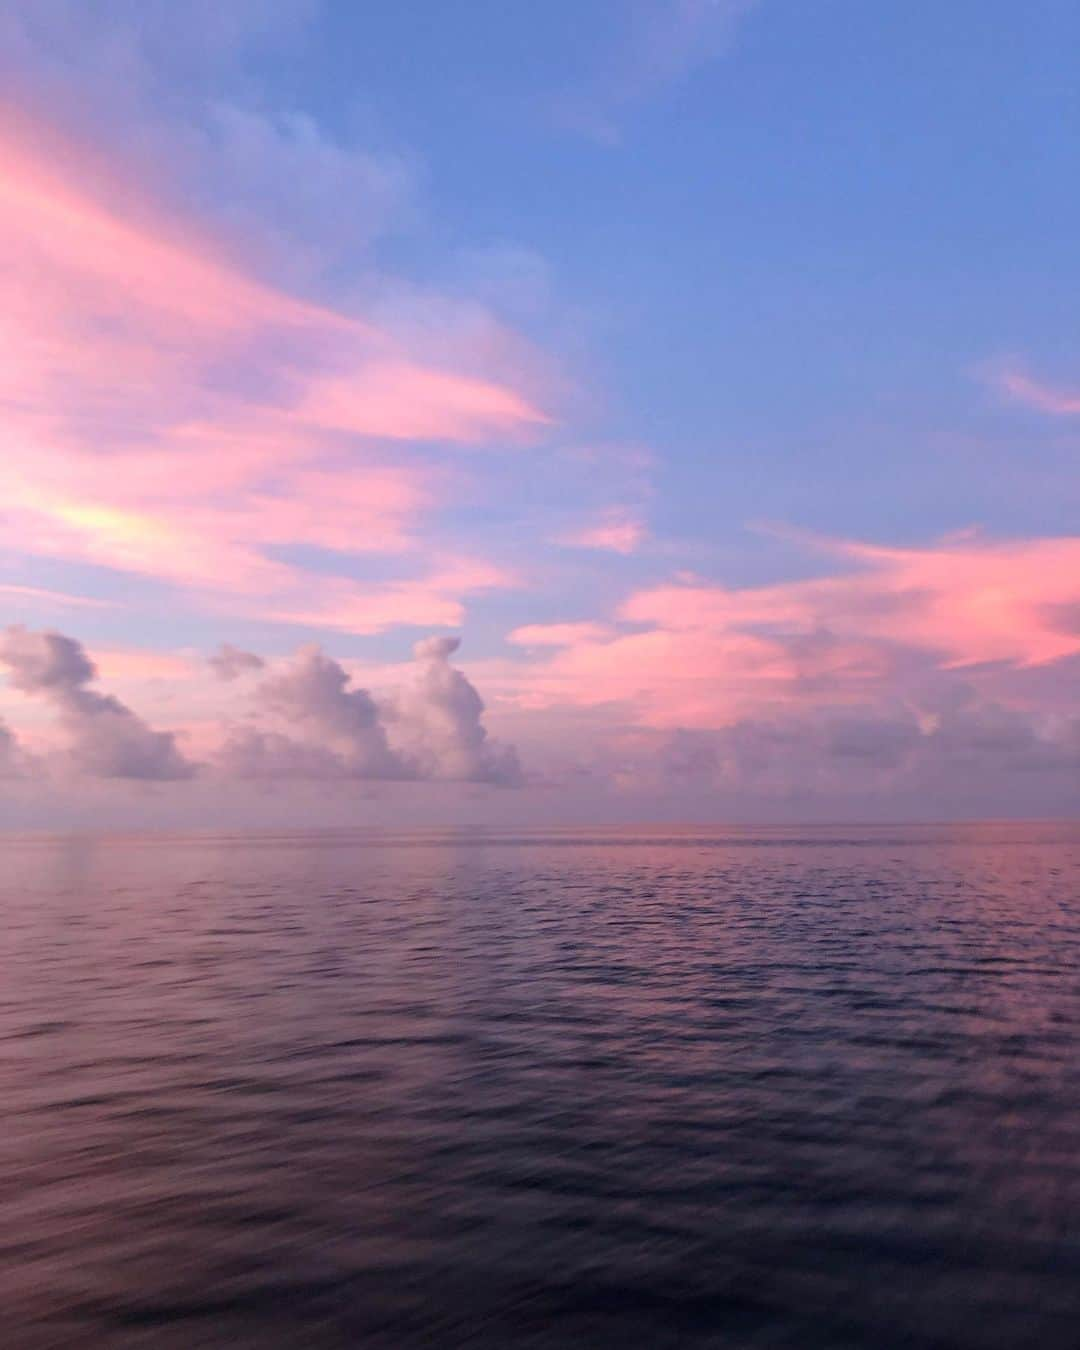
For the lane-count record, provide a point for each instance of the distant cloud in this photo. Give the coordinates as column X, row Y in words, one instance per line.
column 229, row 662
column 327, row 728
column 40, row 595
column 11, row 758
column 662, row 42
column 1045, row 398
column 106, row 739
column 873, row 739
column 303, row 196
column 433, row 599
column 114, row 49
column 559, row 634
column 617, row 530
column 270, row 756
column 314, row 694
column 442, row 716
column 885, row 753
column 692, row 653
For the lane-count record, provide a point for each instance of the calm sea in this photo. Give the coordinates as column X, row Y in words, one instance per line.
column 778, row 1088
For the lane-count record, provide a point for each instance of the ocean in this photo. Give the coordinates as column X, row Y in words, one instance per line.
column 662, row 1088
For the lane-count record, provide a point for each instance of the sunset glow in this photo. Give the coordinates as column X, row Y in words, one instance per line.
column 235, row 417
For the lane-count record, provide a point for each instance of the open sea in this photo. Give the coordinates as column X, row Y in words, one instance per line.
column 668, row 1088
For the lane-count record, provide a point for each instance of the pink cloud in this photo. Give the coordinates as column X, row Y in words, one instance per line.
column 402, row 401
column 618, row 530
column 136, row 664
column 559, row 634
column 967, row 600
column 40, row 595
column 1043, row 397
column 167, row 414
column 704, row 655
column 431, row 601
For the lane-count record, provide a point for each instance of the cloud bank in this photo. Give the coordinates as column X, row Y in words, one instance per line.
column 693, row 653
column 305, row 719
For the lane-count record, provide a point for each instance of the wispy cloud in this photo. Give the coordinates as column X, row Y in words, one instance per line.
column 616, row 530
column 171, row 415
column 39, row 595
column 560, row 634
column 662, row 42
column 1021, row 387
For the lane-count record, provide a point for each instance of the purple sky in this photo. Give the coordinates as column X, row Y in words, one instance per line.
column 609, row 410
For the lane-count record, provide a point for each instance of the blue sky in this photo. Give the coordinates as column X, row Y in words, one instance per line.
column 793, row 258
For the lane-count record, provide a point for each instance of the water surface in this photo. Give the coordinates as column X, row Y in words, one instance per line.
column 777, row 1088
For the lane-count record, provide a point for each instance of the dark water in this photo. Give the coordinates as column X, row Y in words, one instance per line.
column 766, row 1088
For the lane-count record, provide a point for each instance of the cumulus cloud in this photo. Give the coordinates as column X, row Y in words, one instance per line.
column 249, row 752
column 312, row 722
column 106, row 739
column 443, row 717
column 314, row 695
column 229, row 662
column 307, row 720
column 12, row 761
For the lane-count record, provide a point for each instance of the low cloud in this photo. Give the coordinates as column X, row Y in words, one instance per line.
column 270, row 755
column 306, row 719
column 443, row 719
column 106, row 739
column 311, row 722
column 313, row 695
column 12, row 760
column 1053, row 400
column 912, row 755
column 230, row 663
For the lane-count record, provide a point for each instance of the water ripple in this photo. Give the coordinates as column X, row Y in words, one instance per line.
column 676, row 1088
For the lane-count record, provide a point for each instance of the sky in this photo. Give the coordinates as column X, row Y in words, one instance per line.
column 596, row 412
